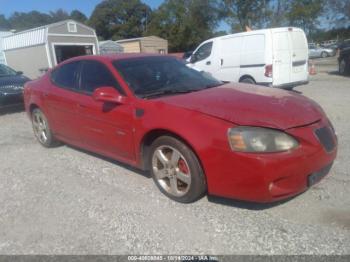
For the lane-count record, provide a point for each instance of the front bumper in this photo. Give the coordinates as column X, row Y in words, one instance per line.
column 271, row 177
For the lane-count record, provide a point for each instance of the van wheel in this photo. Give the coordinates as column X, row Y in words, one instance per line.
column 248, row 80
column 176, row 170
column 343, row 67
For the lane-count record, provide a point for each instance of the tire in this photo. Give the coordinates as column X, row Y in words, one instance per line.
column 343, row 67
column 176, row 170
column 42, row 129
column 324, row 54
column 247, row 80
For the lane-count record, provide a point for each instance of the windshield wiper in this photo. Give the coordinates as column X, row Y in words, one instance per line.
column 168, row 92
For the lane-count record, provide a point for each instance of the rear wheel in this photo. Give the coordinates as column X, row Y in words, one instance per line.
column 42, row 129
column 247, row 80
column 176, row 170
column 324, row 54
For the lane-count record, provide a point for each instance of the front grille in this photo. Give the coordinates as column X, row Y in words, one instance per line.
column 324, row 135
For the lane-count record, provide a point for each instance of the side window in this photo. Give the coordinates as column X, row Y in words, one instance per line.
column 66, row 75
column 203, row 52
column 94, row 75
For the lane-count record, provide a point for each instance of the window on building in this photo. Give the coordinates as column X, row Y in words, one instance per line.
column 72, row 27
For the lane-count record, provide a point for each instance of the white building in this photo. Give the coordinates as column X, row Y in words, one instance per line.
column 2, row 57
column 35, row 50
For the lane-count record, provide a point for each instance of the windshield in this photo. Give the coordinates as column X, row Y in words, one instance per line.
column 6, row 71
column 148, row 76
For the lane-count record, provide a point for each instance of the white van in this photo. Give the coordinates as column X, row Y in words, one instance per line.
column 275, row 57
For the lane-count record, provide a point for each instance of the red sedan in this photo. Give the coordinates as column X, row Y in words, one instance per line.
column 192, row 132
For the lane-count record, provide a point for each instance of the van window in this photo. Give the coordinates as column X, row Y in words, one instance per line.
column 203, row 52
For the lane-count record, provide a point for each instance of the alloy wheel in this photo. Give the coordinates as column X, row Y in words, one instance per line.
column 40, row 127
column 171, row 170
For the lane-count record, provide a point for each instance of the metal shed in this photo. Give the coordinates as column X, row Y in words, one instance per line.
column 110, row 47
column 34, row 51
column 2, row 35
column 147, row 44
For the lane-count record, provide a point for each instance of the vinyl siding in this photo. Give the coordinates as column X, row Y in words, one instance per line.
column 29, row 60
column 131, row 47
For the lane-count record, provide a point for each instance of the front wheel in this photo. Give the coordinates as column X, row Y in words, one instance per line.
column 324, row 54
column 42, row 129
column 176, row 170
column 247, row 80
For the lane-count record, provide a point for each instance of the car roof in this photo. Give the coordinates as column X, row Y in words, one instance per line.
column 113, row 57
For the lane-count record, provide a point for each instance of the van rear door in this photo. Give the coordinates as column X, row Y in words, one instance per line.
column 282, row 58
column 299, row 72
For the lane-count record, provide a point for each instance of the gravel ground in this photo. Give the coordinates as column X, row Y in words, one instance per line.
column 66, row 201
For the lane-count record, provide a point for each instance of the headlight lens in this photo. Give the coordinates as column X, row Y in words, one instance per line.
column 257, row 139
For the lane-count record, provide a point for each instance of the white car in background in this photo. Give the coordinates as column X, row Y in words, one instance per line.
column 322, row 52
column 275, row 57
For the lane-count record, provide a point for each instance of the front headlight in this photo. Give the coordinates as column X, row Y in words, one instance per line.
column 258, row 139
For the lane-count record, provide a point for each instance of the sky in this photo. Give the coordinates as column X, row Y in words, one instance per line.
column 85, row 6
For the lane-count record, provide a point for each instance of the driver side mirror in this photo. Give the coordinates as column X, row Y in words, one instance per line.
column 19, row 73
column 108, row 94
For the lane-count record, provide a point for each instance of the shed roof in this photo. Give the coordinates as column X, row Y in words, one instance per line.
column 5, row 33
column 108, row 42
column 139, row 38
column 31, row 37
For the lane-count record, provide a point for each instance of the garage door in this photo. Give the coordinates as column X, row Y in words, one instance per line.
column 64, row 52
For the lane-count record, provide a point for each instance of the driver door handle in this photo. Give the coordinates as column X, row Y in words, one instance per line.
column 208, row 63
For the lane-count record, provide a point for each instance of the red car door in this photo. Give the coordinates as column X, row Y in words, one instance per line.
column 61, row 101
column 104, row 127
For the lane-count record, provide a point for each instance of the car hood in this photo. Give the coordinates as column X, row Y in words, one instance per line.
column 251, row 105
column 11, row 84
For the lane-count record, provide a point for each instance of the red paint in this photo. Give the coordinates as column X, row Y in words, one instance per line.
column 201, row 119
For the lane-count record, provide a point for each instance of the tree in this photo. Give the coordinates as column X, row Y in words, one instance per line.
column 58, row 15
column 4, row 23
column 22, row 21
column 118, row 19
column 78, row 16
column 276, row 13
column 338, row 12
column 305, row 13
column 185, row 23
column 242, row 13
